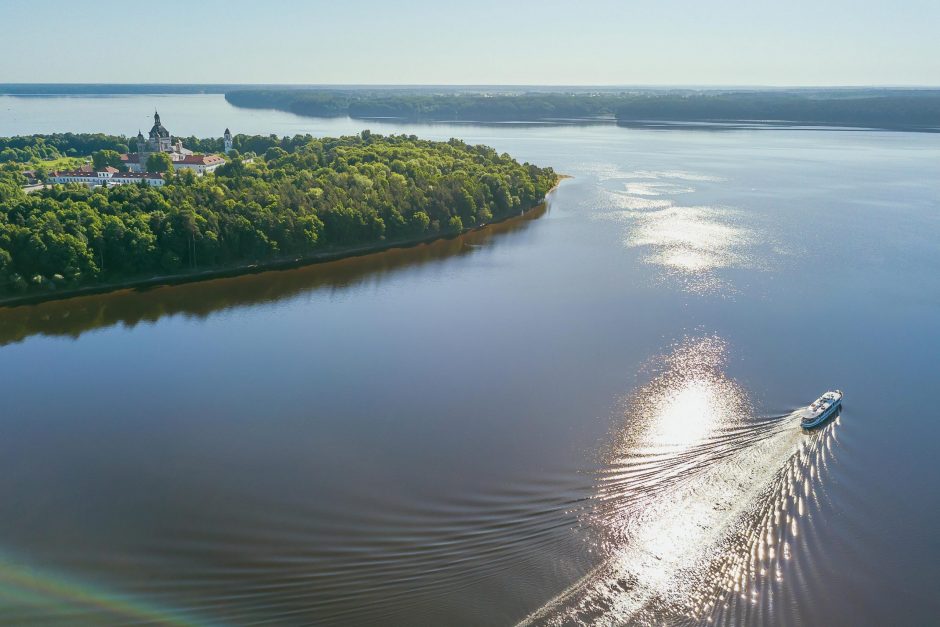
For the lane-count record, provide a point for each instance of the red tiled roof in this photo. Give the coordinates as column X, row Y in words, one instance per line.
column 187, row 160
column 88, row 167
column 200, row 160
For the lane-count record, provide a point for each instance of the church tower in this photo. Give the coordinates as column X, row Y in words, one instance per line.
column 227, row 138
column 141, row 164
column 160, row 140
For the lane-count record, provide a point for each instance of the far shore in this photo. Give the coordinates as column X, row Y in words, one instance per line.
column 283, row 263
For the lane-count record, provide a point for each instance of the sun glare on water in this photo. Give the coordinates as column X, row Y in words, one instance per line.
column 685, row 404
column 698, row 503
column 691, row 244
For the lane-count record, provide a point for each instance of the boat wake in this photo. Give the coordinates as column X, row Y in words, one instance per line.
column 698, row 504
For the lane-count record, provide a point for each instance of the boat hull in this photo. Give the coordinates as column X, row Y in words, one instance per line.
column 821, row 418
column 822, row 409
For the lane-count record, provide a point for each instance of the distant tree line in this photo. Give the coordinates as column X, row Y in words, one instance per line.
column 429, row 107
column 914, row 110
column 880, row 108
column 302, row 195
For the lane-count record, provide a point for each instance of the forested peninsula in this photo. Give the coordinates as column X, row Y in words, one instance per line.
column 430, row 107
column 300, row 198
column 896, row 109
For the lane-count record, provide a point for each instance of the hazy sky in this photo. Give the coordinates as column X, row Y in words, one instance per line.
column 594, row 42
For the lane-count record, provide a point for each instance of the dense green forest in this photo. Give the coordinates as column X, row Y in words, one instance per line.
column 301, row 196
column 430, row 107
column 914, row 110
column 881, row 108
column 27, row 148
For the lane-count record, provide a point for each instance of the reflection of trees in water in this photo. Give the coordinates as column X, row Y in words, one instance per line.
column 74, row 316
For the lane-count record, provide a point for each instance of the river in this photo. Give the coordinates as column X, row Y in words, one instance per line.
column 580, row 416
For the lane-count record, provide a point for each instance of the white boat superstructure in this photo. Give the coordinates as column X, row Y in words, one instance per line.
column 821, row 409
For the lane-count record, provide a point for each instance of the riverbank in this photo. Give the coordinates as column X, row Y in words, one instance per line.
column 284, row 263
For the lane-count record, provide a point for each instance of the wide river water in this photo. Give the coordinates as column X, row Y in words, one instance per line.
column 580, row 416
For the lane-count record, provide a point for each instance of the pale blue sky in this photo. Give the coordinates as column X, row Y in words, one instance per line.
column 593, row 42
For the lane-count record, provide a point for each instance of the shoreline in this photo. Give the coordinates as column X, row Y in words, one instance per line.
column 325, row 256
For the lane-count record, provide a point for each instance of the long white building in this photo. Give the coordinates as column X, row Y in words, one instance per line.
column 109, row 176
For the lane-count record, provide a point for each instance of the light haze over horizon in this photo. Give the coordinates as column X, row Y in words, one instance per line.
column 598, row 42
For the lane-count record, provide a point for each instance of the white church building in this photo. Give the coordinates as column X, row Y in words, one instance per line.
column 160, row 140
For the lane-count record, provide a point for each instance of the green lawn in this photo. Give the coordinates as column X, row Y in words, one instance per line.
column 62, row 163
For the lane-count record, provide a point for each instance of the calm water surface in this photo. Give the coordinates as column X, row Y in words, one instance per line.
column 581, row 416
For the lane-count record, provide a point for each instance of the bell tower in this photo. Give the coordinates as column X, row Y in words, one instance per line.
column 227, row 139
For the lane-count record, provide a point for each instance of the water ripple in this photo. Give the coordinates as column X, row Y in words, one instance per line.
column 700, row 506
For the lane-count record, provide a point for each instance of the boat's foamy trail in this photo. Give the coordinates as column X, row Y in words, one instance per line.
column 698, row 502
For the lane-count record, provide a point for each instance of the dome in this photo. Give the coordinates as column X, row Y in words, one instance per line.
column 158, row 129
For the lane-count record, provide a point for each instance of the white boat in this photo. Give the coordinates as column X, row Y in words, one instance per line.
column 821, row 409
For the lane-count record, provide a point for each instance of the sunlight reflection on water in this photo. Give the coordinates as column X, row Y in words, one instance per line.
column 698, row 503
column 681, row 175
column 691, row 244
column 690, row 400
column 657, row 189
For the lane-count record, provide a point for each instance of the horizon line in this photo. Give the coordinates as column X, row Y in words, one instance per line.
column 506, row 85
